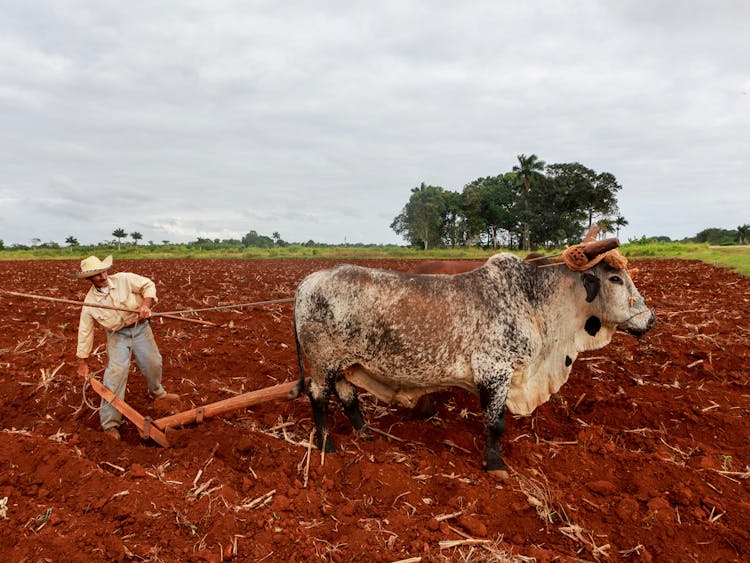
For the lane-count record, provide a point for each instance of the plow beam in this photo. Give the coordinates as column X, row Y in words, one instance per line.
column 197, row 415
column 145, row 425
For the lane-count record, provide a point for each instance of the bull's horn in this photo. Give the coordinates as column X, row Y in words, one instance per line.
column 594, row 248
column 591, row 233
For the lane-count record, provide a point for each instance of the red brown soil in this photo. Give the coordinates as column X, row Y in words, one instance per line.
column 643, row 455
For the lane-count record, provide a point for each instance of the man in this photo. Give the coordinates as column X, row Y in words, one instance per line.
column 127, row 333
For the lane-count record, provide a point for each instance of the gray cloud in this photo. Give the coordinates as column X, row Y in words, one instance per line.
column 213, row 119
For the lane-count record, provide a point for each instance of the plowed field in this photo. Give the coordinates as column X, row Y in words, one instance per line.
column 643, row 455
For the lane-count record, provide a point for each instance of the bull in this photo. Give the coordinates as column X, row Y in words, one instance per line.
column 508, row 331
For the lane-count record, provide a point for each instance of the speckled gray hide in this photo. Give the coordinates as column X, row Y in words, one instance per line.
column 508, row 327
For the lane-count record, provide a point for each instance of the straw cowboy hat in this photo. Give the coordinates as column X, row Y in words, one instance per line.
column 91, row 266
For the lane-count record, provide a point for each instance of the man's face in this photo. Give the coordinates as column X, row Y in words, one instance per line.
column 99, row 280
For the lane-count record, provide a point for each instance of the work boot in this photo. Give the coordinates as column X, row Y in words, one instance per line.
column 165, row 398
column 112, row 434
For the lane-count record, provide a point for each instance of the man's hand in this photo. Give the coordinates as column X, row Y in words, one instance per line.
column 145, row 310
column 83, row 368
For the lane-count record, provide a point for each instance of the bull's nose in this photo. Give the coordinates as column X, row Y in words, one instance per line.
column 649, row 325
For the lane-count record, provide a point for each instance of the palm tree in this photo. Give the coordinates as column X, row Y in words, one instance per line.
column 528, row 170
column 119, row 233
column 605, row 226
column 71, row 241
column 136, row 236
column 619, row 222
column 743, row 234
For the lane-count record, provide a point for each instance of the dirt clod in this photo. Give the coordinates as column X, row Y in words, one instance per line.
column 643, row 450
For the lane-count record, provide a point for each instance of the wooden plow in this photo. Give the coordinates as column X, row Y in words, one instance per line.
column 156, row 430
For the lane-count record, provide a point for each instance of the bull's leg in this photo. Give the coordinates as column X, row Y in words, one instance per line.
column 347, row 394
column 319, row 401
column 424, row 407
column 493, row 409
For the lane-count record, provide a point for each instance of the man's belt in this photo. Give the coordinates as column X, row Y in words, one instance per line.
column 137, row 321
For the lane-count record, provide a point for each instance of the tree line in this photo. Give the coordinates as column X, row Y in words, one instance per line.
column 717, row 236
column 533, row 205
column 250, row 239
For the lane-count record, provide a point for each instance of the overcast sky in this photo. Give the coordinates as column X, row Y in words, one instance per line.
column 189, row 119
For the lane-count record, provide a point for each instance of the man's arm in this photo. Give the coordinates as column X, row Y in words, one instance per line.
column 146, row 288
column 85, row 342
column 143, row 286
column 83, row 368
column 85, row 334
column 144, row 311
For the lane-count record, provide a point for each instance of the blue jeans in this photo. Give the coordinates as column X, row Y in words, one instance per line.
column 140, row 341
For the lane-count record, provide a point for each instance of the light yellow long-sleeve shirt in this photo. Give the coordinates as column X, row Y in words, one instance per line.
column 125, row 290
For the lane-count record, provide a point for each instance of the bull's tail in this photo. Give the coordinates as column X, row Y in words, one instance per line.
column 297, row 389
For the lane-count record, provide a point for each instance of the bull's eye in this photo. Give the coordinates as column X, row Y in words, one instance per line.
column 616, row 279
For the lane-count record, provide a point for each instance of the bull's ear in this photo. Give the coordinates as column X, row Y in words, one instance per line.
column 592, row 284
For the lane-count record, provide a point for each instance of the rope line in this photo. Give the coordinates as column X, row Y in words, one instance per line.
column 85, row 386
column 168, row 314
column 222, row 307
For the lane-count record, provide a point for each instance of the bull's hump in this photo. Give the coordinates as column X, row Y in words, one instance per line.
column 503, row 258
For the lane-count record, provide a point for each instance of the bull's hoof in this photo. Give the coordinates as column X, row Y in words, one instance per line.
column 499, row 474
column 326, row 445
column 424, row 408
column 494, row 463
